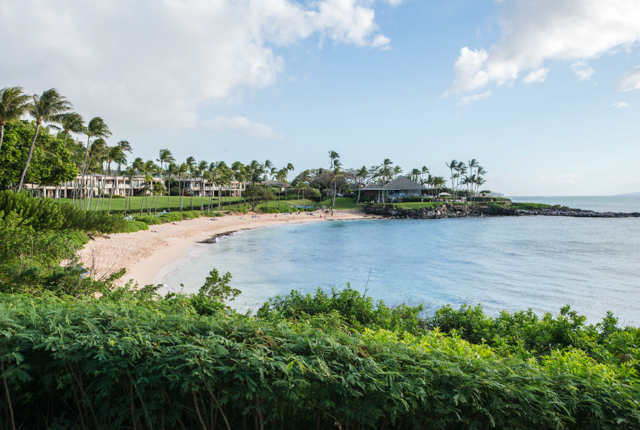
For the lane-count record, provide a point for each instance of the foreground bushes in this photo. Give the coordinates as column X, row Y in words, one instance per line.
column 47, row 214
column 126, row 360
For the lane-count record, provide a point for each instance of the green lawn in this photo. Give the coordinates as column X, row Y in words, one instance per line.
column 342, row 203
column 117, row 205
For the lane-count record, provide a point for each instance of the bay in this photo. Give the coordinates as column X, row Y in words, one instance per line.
column 508, row 263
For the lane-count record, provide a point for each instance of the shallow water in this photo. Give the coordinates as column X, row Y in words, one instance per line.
column 510, row 263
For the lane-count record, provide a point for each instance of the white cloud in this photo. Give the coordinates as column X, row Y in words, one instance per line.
column 139, row 63
column 630, row 80
column 534, row 32
column 620, row 104
column 474, row 98
column 582, row 70
column 536, row 76
column 242, row 125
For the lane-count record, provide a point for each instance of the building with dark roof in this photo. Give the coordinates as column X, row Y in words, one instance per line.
column 399, row 188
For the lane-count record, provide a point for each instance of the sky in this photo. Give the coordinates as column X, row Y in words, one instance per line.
column 545, row 94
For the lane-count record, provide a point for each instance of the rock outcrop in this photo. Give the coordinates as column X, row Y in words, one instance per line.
column 463, row 211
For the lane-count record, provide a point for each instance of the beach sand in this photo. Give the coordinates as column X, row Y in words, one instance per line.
column 146, row 255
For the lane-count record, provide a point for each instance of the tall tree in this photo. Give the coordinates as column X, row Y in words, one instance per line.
column 334, row 165
column 182, row 172
column 453, row 165
column 117, row 156
column 164, row 156
column 361, row 176
column 71, row 122
column 203, row 166
column 13, row 104
column 172, row 170
column 46, row 108
column 423, row 171
column 96, row 128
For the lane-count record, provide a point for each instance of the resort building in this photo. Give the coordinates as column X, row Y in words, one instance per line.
column 400, row 187
column 93, row 184
column 194, row 186
column 96, row 184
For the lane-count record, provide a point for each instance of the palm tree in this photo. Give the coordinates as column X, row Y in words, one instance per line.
column 172, row 169
column 164, row 156
column 424, row 171
column 361, row 176
column 203, row 166
column 182, row 170
column 45, row 108
column 71, row 122
column 453, row 165
column 334, row 163
column 238, row 174
column 125, row 146
column 213, row 177
column 138, row 166
column 193, row 173
column 96, row 154
column 117, row 156
column 96, row 128
column 13, row 104
column 129, row 172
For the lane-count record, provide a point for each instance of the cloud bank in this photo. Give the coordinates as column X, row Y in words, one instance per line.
column 149, row 62
column 534, row 32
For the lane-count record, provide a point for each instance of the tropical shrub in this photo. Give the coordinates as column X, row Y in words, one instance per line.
column 131, row 360
column 358, row 311
column 47, row 214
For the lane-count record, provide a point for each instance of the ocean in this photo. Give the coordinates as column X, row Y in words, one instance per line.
column 509, row 263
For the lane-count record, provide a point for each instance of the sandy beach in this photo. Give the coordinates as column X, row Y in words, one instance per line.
column 145, row 254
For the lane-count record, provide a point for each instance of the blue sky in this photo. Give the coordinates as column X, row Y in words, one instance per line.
column 545, row 96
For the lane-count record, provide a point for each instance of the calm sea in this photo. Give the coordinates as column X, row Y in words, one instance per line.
column 542, row 263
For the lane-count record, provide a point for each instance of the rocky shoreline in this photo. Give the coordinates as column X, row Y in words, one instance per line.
column 461, row 211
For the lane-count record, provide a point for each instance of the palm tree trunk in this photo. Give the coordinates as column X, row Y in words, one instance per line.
column 169, row 193
column 26, row 167
column 86, row 155
column 202, row 194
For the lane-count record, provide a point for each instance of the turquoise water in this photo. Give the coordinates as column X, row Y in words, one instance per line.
column 510, row 263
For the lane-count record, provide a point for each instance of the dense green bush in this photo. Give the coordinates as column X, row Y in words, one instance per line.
column 529, row 336
column 128, row 360
column 167, row 217
column 133, row 226
column 358, row 311
column 47, row 214
column 530, row 206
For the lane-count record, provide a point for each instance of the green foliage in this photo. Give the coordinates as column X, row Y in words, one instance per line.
column 167, row 217
column 529, row 206
column 358, row 311
column 51, row 163
column 133, row 226
column 529, row 336
column 47, row 214
column 132, row 359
